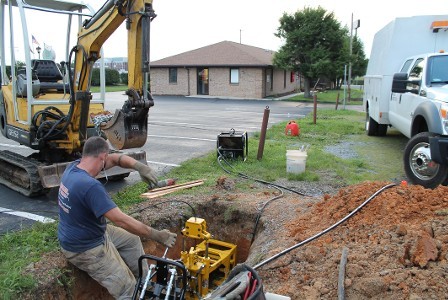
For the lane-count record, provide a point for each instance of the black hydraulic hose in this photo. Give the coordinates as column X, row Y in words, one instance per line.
column 71, row 78
column 83, row 72
column 65, row 119
column 61, row 119
column 326, row 230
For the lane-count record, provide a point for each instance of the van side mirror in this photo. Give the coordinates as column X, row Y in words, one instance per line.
column 401, row 84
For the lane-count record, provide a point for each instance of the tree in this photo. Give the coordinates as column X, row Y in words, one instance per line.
column 359, row 60
column 314, row 42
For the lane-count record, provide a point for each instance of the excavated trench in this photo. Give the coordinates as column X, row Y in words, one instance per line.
column 225, row 222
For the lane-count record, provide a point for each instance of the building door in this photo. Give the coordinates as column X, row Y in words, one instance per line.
column 202, row 81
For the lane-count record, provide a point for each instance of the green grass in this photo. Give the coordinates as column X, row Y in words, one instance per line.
column 20, row 249
column 377, row 158
column 330, row 96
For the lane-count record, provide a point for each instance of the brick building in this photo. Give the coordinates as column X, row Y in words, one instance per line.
column 117, row 63
column 223, row 69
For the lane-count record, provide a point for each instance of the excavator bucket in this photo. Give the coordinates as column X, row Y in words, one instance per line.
column 50, row 176
column 127, row 129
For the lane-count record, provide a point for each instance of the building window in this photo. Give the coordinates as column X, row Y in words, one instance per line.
column 234, row 76
column 270, row 79
column 173, row 75
column 293, row 77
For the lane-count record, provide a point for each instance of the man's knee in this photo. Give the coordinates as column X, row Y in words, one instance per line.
column 120, row 287
column 107, row 268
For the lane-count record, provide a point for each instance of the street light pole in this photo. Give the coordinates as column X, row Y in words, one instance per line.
column 354, row 25
column 38, row 48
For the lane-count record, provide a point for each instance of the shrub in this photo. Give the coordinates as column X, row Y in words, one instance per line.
column 112, row 77
column 124, row 78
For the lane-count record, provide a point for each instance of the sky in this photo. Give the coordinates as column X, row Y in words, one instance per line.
column 186, row 25
column 182, row 26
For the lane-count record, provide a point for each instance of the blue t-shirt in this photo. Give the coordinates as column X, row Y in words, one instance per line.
column 83, row 201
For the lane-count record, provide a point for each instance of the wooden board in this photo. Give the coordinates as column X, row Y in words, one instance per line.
column 154, row 193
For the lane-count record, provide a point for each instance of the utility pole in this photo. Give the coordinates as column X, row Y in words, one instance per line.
column 354, row 25
column 240, row 36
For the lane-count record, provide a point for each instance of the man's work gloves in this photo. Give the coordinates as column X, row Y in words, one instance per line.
column 146, row 173
column 164, row 237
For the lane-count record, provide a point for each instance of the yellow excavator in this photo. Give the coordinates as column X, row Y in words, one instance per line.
column 48, row 106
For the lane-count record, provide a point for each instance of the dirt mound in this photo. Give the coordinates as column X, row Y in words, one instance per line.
column 396, row 244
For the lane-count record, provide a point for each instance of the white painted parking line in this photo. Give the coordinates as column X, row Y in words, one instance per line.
column 26, row 215
column 199, row 126
column 13, row 146
column 161, row 163
column 180, row 137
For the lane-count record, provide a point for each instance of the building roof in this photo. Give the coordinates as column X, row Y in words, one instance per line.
column 224, row 53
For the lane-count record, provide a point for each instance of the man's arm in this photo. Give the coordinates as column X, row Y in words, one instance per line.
column 136, row 227
column 127, row 162
column 121, row 160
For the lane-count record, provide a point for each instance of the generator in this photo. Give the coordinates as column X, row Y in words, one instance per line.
column 233, row 144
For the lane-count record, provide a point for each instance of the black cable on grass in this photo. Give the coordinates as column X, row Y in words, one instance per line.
column 242, row 175
column 261, row 211
column 326, row 230
column 158, row 203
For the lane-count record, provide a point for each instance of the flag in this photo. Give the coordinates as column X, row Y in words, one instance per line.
column 34, row 40
column 48, row 52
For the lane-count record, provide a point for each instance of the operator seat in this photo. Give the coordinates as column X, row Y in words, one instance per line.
column 49, row 75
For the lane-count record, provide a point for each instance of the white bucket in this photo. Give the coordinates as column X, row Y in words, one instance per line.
column 295, row 161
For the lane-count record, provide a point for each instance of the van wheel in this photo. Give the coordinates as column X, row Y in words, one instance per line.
column 382, row 129
column 418, row 165
column 371, row 126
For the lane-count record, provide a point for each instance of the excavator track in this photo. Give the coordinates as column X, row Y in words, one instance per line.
column 20, row 173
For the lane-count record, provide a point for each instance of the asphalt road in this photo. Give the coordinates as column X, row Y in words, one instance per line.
column 180, row 128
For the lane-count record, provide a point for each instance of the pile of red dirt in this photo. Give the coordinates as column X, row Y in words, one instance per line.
column 396, row 245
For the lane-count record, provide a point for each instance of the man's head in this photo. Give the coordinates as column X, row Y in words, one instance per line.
column 95, row 146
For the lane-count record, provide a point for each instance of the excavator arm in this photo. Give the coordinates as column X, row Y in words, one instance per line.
column 127, row 128
column 44, row 109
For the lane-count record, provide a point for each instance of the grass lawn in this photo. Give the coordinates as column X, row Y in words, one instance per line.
column 330, row 96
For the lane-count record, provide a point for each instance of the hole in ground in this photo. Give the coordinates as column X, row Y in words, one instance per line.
column 225, row 222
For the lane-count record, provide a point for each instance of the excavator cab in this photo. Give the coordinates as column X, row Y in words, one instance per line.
column 47, row 105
